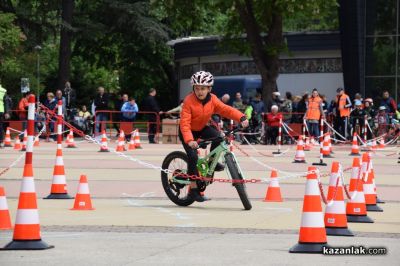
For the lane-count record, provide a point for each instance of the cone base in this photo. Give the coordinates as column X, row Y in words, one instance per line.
column 308, row 248
column 299, row 161
column 71, row 147
column 7, row 145
column 22, row 150
column 138, row 148
column 268, row 200
column 59, row 196
column 327, row 156
column 90, row 209
column 276, row 152
column 354, row 154
column 320, row 163
column 378, row 200
column 359, row 219
column 374, row 208
column 338, row 231
column 104, row 150
column 27, row 245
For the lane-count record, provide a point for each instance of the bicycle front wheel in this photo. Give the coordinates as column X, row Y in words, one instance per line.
column 240, row 187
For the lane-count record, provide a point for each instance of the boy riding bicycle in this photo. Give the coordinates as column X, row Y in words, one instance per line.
column 197, row 110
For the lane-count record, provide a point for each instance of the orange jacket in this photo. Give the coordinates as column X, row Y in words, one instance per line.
column 314, row 108
column 22, row 110
column 344, row 111
column 195, row 115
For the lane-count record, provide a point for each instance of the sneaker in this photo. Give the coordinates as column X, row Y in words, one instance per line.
column 219, row 167
column 195, row 195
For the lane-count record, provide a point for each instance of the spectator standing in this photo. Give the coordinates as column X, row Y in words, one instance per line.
column 295, row 117
column 101, row 103
column 343, row 104
column 23, row 110
column 314, row 113
column 129, row 110
column 60, row 97
column 51, row 104
column 273, row 119
column 388, row 102
column 357, row 118
column 70, row 96
column 301, row 108
column 238, row 103
column 150, row 104
column 4, row 113
column 370, row 113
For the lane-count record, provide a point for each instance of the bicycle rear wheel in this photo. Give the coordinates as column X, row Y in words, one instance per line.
column 240, row 187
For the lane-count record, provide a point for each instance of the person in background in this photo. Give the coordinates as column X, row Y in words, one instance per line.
column 4, row 113
column 51, row 104
column 357, row 118
column 296, row 118
column 86, row 119
column 248, row 112
column 60, row 97
column 286, row 108
column 383, row 120
column 150, row 105
column 370, row 113
column 70, row 97
column 343, row 104
column 302, row 107
column 129, row 110
column 176, row 112
column 40, row 119
column 273, row 119
column 358, row 97
column 23, row 110
column 101, row 103
column 258, row 110
column 238, row 102
column 314, row 114
column 388, row 102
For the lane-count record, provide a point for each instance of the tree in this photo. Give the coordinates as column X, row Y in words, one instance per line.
column 262, row 22
column 64, row 60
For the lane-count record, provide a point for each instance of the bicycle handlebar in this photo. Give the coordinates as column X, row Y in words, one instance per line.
column 203, row 143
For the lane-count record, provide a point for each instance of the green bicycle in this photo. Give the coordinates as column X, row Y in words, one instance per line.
column 176, row 184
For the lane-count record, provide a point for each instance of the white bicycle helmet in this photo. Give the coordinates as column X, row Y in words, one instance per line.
column 202, row 78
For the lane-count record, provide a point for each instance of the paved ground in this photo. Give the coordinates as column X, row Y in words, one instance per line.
column 134, row 223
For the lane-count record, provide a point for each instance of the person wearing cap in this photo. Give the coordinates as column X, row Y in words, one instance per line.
column 357, row 117
column 383, row 120
column 343, row 104
column 314, row 113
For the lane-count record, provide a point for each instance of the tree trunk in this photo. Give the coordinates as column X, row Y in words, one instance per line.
column 65, row 43
column 267, row 63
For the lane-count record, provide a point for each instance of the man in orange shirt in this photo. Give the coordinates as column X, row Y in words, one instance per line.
column 343, row 104
column 314, row 114
column 197, row 109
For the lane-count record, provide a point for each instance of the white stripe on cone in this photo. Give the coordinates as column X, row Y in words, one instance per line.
column 29, row 144
column 274, row 183
column 27, row 185
column 27, row 216
column 3, row 203
column 83, row 188
column 369, row 189
column 359, row 197
column 336, row 207
column 59, row 160
column 312, row 188
column 312, row 219
column 59, row 179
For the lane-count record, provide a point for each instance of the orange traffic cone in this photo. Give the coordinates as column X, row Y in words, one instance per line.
column 307, row 146
column 299, row 156
column 132, row 145
column 7, row 139
column 356, row 210
column 24, row 141
column 36, row 143
column 104, row 146
column 326, row 151
column 17, row 145
column 82, row 199
column 121, row 142
column 70, row 140
column 5, row 219
column 274, row 191
column 373, row 176
column 369, row 184
column 355, row 150
column 27, row 227
column 335, row 212
column 382, row 143
column 312, row 235
column 137, row 139
column 59, row 184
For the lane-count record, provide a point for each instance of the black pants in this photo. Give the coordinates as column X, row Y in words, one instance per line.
column 206, row 133
column 152, row 130
column 272, row 134
column 1, row 127
column 343, row 126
